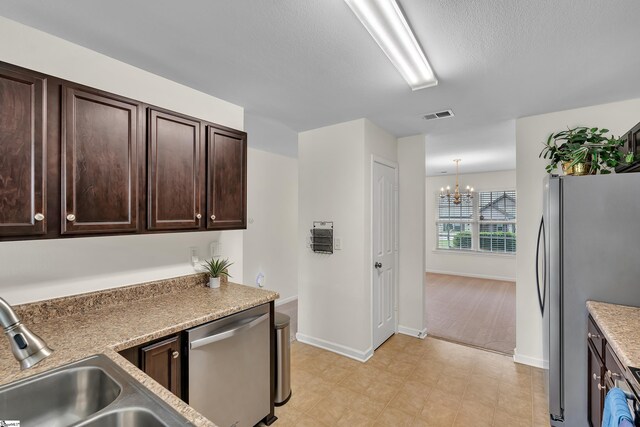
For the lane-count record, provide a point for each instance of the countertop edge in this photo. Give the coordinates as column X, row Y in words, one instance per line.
column 594, row 308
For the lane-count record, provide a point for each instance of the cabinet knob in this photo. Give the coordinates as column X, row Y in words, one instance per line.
column 198, row 216
column 213, row 217
column 594, row 336
column 601, row 387
column 38, row 217
column 595, row 377
column 71, row 217
column 175, row 354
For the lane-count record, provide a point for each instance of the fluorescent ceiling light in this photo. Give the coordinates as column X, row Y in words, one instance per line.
column 388, row 27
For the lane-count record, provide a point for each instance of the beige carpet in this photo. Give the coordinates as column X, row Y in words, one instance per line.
column 478, row 312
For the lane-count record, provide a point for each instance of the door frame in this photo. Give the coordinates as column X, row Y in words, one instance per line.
column 396, row 244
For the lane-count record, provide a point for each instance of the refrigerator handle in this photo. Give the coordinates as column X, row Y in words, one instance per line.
column 541, row 298
column 544, row 266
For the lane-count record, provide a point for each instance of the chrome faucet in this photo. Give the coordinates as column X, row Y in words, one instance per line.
column 27, row 347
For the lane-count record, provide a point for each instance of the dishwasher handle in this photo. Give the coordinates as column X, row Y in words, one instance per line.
column 227, row 333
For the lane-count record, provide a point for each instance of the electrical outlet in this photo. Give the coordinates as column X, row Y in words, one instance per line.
column 214, row 249
column 194, row 256
column 337, row 243
column 260, row 280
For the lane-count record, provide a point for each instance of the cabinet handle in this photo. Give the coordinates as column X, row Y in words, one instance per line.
column 213, row 217
column 198, row 216
column 612, row 374
column 175, row 354
column 595, row 377
column 38, row 217
column 71, row 217
column 594, row 336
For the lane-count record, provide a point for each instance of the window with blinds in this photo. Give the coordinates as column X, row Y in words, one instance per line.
column 487, row 223
column 497, row 220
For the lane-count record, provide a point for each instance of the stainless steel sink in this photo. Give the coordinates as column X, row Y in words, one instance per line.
column 136, row 417
column 93, row 392
column 60, row 398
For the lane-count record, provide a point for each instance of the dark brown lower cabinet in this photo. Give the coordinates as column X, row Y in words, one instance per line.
column 596, row 390
column 162, row 361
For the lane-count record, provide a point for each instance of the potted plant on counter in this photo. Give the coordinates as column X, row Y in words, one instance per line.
column 216, row 268
column 584, row 151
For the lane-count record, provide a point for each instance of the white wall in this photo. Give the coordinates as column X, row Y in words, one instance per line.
column 474, row 264
column 271, row 239
column 333, row 299
column 42, row 269
column 411, row 160
column 270, row 135
column 619, row 117
column 335, row 185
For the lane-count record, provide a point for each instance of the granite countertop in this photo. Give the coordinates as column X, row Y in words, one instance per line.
column 110, row 321
column 620, row 325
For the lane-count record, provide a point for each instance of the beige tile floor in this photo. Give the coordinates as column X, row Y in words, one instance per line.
column 412, row 382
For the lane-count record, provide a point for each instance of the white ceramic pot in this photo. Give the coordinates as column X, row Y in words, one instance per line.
column 214, row 282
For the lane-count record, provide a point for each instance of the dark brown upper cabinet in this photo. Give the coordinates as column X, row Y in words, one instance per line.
column 175, row 171
column 226, row 179
column 22, row 154
column 100, row 143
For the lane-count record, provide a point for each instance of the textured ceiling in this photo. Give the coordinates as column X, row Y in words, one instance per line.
column 310, row 63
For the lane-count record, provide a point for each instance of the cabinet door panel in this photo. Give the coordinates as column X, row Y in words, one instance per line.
column 161, row 361
column 22, row 154
column 100, row 171
column 595, row 394
column 227, row 179
column 174, row 172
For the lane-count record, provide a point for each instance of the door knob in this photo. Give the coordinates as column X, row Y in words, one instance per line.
column 378, row 265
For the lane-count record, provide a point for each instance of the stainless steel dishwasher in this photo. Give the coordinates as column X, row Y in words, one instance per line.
column 229, row 368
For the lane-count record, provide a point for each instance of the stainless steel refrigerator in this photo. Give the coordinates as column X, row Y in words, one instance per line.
column 588, row 249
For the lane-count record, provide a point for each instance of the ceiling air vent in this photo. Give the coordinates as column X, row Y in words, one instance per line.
column 439, row 115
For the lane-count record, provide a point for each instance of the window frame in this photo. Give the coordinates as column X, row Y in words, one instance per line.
column 475, row 224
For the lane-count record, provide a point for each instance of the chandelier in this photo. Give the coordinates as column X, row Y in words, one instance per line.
column 457, row 196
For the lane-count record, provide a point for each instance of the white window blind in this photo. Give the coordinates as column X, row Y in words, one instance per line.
column 497, row 219
column 486, row 223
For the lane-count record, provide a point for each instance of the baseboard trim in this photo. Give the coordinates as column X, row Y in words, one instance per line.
column 412, row 332
column 531, row 361
column 360, row 356
column 280, row 302
column 477, row 276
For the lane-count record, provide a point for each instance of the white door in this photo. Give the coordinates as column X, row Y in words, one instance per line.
column 383, row 238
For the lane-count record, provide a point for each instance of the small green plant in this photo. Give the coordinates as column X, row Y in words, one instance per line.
column 217, row 267
column 585, row 145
